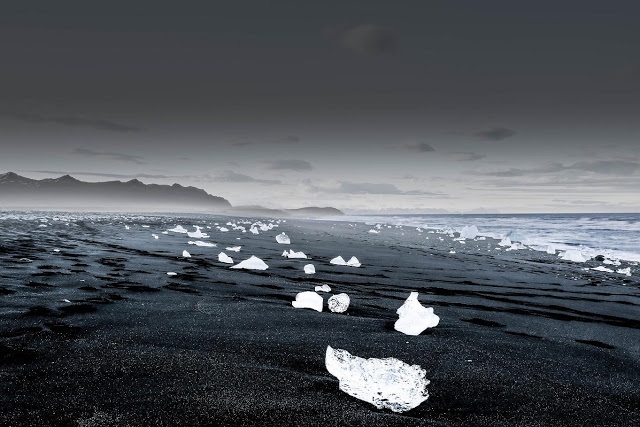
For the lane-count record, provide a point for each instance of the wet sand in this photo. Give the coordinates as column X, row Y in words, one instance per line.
column 524, row 338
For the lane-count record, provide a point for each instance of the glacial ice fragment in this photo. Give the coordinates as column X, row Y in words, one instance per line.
column 234, row 248
column 186, row 254
column 386, row 383
column 198, row 234
column 253, row 263
column 283, row 239
column 339, row 303
column 625, row 271
column 323, row 288
column 414, row 318
column 353, row 262
column 293, row 254
column 338, row 261
column 171, row 273
column 308, row 299
column 469, row 232
column 573, row 255
column 201, row 243
column 309, row 269
column 222, row 257
column 179, row 229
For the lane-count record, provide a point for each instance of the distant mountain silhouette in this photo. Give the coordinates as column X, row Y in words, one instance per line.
column 67, row 192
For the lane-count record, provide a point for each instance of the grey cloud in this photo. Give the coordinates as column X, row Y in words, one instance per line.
column 603, row 167
column 347, row 187
column 111, row 155
column 231, row 176
column 421, row 147
column 496, row 134
column 468, row 157
column 289, row 164
column 71, row 121
column 370, row 39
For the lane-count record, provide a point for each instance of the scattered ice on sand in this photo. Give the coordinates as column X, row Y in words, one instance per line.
column 309, row 269
column 253, row 263
column 353, row 262
column 339, row 303
column 386, row 383
column 338, row 261
column 186, row 254
column 323, row 288
column 293, row 254
column 469, row 232
column 573, row 255
column 171, row 273
column 372, row 231
column 625, row 271
column 198, row 234
column 414, row 318
column 201, row 243
column 308, row 299
column 283, row 239
column 222, row 257
column 179, row 229
column 234, row 248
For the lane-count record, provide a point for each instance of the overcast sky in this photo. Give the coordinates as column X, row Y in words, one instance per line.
column 458, row 105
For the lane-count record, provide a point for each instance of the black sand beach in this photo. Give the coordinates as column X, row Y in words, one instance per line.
column 524, row 338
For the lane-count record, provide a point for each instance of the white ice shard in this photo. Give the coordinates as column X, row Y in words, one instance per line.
column 372, row 231
column 254, row 230
column 179, row 229
column 223, row 229
column 283, row 239
column 253, row 263
column 414, row 318
column 603, row 269
column 234, row 248
column 201, row 243
column 198, row 234
column 126, row 227
column 155, row 236
column 469, row 232
column 309, row 269
column 573, row 255
column 338, row 261
column 551, row 250
column 386, row 383
column 339, row 303
column 222, row 257
column 171, row 273
column 625, row 271
column 186, row 254
column 308, row 299
column 293, row 254
column 323, row 288
column 505, row 241
column 353, row 262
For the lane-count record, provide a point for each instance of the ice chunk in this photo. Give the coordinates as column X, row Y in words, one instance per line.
column 179, row 229
column 198, row 234
column 386, row 383
column 308, row 299
column 469, row 232
column 505, row 242
column 201, row 243
column 551, row 250
column 222, row 257
column 323, row 288
column 253, row 263
column 573, row 255
column 309, row 269
column 292, row 254
column 234, row 248
column 155, row 236
column 338, row 261
column 223, row 229
column 625, row 271
column 414, row 318
column 283, row 239
column 186, row 254
column 353, row 262
column 372, row 231
column 603, row 269
column 339, row 303
column 171, row 273
column 126, row 227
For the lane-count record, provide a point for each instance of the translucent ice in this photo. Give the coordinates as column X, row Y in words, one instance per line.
column 198, row 234
column 186, row 254
column 283, row 239
column 293, row 254
column 353, row 262
column 234, row 248
column 323, row 288
column 469, row 232
column 339, row 303
column 308, row 300
column 386, row 383
column 625, row 271
column 222, row 257
column 201, row 243
column 179, row 229
column 573, row 255
column 338, row 261
column 253, row 263
column 414, row 318
column 309, row 269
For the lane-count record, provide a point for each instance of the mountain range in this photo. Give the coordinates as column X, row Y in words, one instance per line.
column 68, row 193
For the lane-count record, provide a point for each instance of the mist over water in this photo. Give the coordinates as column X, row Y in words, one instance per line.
column 614, row 235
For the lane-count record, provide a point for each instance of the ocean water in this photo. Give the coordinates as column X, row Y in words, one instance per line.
column 616, row 236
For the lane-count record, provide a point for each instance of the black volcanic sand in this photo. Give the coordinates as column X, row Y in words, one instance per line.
column 524, row 339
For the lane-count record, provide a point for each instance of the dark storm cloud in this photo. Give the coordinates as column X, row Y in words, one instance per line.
column 369, row 39
column 421, row 147
column 231, row 176
column 110, row 155
column 468, row 157
column 289, row 164
column 496, row 134
column 104, row 125
column 602, row 167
